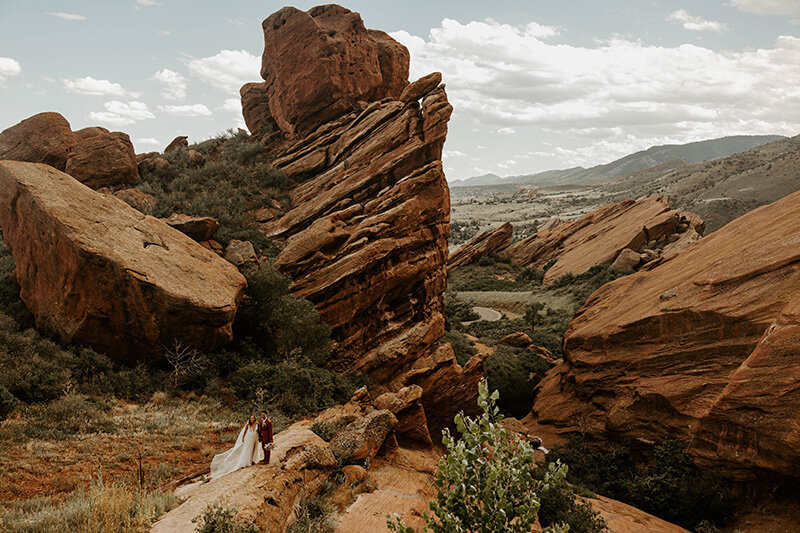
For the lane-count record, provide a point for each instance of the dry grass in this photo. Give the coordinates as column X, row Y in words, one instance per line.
column 56, row 484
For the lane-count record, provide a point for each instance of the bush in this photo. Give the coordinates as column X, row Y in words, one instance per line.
column 463, row 349
column 514, row 372
column 670, row 488
column 66, row 416
column 7, row 402
column 560, row 505
column 485, row 481
column 326, row 430
column 456, row 312
column 218, row 519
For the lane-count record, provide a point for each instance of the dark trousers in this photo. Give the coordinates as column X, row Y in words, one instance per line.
column 266, row 452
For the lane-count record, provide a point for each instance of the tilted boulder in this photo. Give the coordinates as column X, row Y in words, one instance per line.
column 699, row 346
column 95, row 271
column 94, row 156
column 181, row 141
column 198, row 228
column 599, row 237
column 412, row 424
column 489, row 242
column 319, row 65
column 362, row 438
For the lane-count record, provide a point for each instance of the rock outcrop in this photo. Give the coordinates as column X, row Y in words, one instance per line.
column 697, row 346
column 320, row 65
column 181, row 141
column 198, row 228
column 489, row 242
column 94, row 156
column 645, row 226
column 365, row 237
column 95, row 271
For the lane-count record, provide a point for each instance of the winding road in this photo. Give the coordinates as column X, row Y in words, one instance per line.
column 485, row 313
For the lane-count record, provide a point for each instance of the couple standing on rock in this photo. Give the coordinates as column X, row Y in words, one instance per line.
column 246, row 451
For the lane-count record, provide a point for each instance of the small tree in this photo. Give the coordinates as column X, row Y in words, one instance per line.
column 185, row 361
column 485, row 481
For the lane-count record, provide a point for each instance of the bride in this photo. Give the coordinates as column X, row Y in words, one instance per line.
column 244, row 453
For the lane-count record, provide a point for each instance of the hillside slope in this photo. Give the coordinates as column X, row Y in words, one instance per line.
column 690, row 153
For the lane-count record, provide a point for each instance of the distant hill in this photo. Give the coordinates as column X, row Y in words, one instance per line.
column 723, row 189
column 690, row 153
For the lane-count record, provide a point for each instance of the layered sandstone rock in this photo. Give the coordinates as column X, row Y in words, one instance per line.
column 94, row 156
column 599, row 237
column 95, row 271
column 181, row 141
column 198, row 228
column 366, row 237
column 698, row 346
column 488, row 242
column 319, row 65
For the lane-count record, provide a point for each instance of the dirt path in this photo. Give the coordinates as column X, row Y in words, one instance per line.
column 487, row 313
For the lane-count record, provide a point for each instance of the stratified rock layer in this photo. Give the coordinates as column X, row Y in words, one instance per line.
column 95, row 271
column 319, row 65
column 94, row 156
column 488, row 242
column 366, row 237
column 597, row 238
column 700, row 346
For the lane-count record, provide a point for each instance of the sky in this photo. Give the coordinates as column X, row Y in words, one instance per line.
column 535, row 85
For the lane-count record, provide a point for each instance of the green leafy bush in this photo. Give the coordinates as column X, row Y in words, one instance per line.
column 218, row 519
column 485, row 481
column 463, row 349
column 7, row 402
column 326, row 430
column 456, row 312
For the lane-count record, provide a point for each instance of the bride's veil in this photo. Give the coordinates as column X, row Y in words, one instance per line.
column 225, row 462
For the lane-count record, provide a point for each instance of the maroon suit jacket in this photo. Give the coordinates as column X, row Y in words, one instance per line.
column 265, row 430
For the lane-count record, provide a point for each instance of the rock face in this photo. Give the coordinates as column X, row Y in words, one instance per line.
column 182, row 141
column 100, row 158
column 94, row 156
column 95, row 271
column 698, row 346
column 488, row 242
column 198, row 228
column 43, row 138
column 366, row 237
column 319, row 65
column 600, row 236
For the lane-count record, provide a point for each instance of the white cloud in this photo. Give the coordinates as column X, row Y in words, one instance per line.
column 452, row 153
column 8, row 67
column 695, row 23
column 189, row 110
column 121, row 113
column 503, row 76
column 228, row 70
column 91, row 86
column 234, row 105
column 174, row 84
column 236, row 22
column 148, row 3
column 66, row 16
column 770, row 7
column 149, row 141
column 506, row 131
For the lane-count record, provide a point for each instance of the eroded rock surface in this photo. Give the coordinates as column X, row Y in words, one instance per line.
column 599, row 237
column 94, row 156
column 488, row 242
column 698, row 346
column 318, row 65
column 95, row 271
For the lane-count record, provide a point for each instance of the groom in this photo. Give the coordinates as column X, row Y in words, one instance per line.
column 265, row 434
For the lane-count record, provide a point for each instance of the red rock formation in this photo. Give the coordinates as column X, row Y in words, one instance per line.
column 198, row 228
column 95, row 271
column 43, row 138
column 320, row 65
column 99, row 158
column 488, row 242
column 366, row 237
column 696, row 346
column 598, row 237
column 94, row 156
column 181, row 141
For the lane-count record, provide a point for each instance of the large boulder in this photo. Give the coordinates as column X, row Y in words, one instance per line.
column 412, row 424
column 95, row 271
column 198, row 228
column 102, row 159
column 700, row 345
column 489, row 242
column 363, row 437
column 43, row 138
column 599, row 237
column 319, row 65
column 94, row 156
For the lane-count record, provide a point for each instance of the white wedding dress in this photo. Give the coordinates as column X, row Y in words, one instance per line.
column 244, row 453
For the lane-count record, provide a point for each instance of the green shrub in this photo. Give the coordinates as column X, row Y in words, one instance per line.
column 218, row 519
column 671, row 487
column 485, row 481
column 560, row 505
column 463, row 349
column 456, row 312
column 68, row 415
column 486, row 260
column 514, row 372
column 326, row 430
column 7, row 402
column 313, row 515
